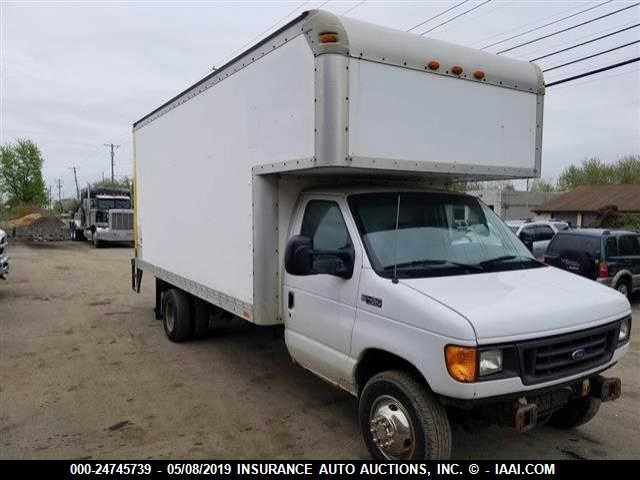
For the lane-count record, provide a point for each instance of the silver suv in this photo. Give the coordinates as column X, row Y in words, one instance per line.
column 540, row 233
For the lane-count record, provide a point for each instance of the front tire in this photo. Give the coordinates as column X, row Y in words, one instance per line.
column 401, row 420
column 624, row 287
column 176, row 318
column 575, row 413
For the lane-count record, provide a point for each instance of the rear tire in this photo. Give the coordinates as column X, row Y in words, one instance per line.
column 176, row 318
column 575, row 413
column 624, row 287
column 394, row 407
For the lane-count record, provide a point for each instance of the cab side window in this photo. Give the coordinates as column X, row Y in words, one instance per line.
column 612, row 247
column 323, row 223
column 628, row 246
column 544, row 232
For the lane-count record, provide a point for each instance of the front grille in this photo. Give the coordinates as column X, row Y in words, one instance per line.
column 121, row 220
column 564, row 355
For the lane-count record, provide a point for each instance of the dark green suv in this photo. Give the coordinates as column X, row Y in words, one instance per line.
column 612, row 257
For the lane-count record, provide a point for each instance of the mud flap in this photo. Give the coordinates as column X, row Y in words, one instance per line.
column 136, row 276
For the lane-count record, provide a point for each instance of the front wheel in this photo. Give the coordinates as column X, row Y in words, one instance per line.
column 575, row 413
column 623, row 287
column 401, row 420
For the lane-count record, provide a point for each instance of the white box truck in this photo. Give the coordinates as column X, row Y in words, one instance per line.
column 312, row 172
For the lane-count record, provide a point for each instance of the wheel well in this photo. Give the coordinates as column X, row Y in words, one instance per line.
column 375, row 361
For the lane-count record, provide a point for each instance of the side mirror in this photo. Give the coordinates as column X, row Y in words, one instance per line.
column 527, row 239
column 301, row 259
column 298, row 256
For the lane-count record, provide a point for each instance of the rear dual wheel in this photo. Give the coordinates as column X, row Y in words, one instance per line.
column 184, row 317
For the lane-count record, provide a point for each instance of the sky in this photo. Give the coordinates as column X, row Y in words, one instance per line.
column 76, row 75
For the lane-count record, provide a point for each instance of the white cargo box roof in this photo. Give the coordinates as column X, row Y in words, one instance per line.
column 383, row 106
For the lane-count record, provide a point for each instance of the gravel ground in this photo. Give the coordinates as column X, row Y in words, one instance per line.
column 86, row 372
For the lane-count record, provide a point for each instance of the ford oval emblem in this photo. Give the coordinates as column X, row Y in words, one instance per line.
column 578, row 354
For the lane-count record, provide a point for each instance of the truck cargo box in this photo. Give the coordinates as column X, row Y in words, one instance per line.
column 325, row 98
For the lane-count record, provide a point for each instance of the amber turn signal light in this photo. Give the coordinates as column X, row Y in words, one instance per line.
column 462, row 363
column 328, row 37
column 433, row 65
column 456, row 70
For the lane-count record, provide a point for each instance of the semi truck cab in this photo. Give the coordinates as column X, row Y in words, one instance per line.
column 104, row 216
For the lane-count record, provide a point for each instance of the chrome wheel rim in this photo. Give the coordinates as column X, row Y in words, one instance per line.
column 391, row 429
column 169, row 320
column 622, row 288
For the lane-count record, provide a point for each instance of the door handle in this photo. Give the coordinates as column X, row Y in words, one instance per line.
column 290, row 300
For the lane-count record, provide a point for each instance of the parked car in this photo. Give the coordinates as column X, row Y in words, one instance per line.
column 4, row 258
column 612, row 257
column 540, row 233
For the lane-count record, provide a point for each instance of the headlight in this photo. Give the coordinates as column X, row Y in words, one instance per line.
column 624, row 330
column 490, row 362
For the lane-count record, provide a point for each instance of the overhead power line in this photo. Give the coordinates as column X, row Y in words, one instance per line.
column 274, row 24
column 457, row 16
column 585, row 43
column 546, row 25
column 568, row 28
column 593, row 72
column 590, row 56
column 351, row 9
column 438, row 15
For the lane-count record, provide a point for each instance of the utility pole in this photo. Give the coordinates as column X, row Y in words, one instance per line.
column 60, row 194
column 112, row 147
column 75, row 176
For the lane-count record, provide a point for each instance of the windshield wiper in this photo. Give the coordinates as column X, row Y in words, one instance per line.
column 427, row 262
column 503, row 258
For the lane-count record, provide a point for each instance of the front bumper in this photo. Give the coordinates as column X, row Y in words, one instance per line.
column 4, row 265
column 108, row 235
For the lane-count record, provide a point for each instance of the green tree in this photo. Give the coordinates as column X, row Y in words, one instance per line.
column 594, row 171
column 627, row 170
column 124, row 182
column 21, row 173
column 541, row 185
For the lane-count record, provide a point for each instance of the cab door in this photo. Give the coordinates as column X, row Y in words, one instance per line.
column 321, row 308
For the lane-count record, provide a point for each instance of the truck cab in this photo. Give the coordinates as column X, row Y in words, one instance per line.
column 389, row 280
column 105, row 215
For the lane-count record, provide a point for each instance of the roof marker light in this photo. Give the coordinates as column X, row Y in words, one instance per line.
column 478, row 74
column 328, row 37
column 433, row 65
column 457, row 70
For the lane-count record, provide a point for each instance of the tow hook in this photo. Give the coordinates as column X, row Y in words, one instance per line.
column 526, row 417
column 606, row 389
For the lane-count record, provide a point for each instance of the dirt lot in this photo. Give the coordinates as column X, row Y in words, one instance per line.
column 86, row 372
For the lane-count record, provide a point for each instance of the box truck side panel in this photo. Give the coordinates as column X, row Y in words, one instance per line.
column 445, row 124
column 194, row 168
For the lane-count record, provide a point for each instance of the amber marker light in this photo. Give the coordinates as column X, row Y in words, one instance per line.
column 328, row 37
column 433, row 65
column 462, row 363
column 478, row 74
column 457, row 70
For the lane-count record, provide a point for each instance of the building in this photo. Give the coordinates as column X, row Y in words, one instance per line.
column 580, row 207
column 514, row 204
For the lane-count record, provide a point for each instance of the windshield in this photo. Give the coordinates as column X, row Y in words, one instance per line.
column 438, row 234
column 109, row 203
